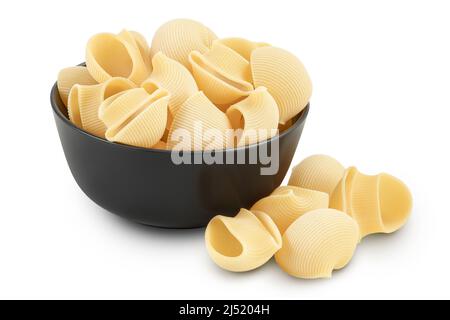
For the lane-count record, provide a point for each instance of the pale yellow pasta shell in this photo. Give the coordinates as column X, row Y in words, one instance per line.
column 222, row 74
column 317, row 172
column 256, row 116
column 137, row 40
column 84, row 102
column 197, row 118
column 242, row 243
column 177, row 38
column 136, row 117
column 242, row 46
column 340, row 197
column 284, row 76
column 109, row 55
column 317, row 243
column 380, row 204
column 175, row 78
column 71, row 76
column 286, row 204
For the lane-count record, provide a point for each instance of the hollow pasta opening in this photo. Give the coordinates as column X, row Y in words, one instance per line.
column 112, row 56
column 395, row 202
column 150, row 86
column 223, row 241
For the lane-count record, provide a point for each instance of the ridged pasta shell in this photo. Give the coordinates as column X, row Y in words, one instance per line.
column 175, row 78
column 197, row 118
column 222, row 74
column 71, row 76
column 177, row 38
column 109, row 55
column 286, row 204
column 317, row 243
column 84, row 102
column 340, row 197
column 380, row 204
column 242, row 243
column 395, row 202
column 284, row 76
column 257, row 116
column 138, row 41
column 136, row 117
column 317, row 172
column 242, row 46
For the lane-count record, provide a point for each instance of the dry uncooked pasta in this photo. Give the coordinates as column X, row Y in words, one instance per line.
column 199, row 125
column 284, row 75
column 242, row 46
column 222, row 74
column 244, row 242
column 380, row 203
column 317, row 172
column 137, row 40
column 185, row 58
column 84, row 102
column 178, row 38
column 71, row 76
column 288, row 203
column 136, row 117
column 340, row 198
column 109, row 55
column 174, row 77
column 257, row 116
column 317, row 243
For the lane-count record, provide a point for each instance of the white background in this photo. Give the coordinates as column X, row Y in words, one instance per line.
column 381, row 101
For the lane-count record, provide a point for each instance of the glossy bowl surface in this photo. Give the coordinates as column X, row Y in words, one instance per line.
column 144, row 185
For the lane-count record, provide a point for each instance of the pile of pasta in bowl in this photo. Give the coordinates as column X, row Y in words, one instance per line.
column 140, row 95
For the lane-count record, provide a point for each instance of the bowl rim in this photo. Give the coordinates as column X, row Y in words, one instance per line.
column 54, row 95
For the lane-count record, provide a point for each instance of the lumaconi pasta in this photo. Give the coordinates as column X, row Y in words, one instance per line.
column 284, row 75
column 242, row 243
column 137, row 40
column 84, row 102
column 136, row 117
column 341, row 196
column 380, row 203
column 317, row 172
column 196, row 118
column 257, row 116
column 288, row 203
column 174, row 77
column 317, row 243
column 68, row 77
column 222, row 74
column 242, row 46
column 185, row 58
column 109, row 55
column 177, row 38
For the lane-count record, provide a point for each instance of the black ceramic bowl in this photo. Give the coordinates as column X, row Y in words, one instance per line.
column 144, row 185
